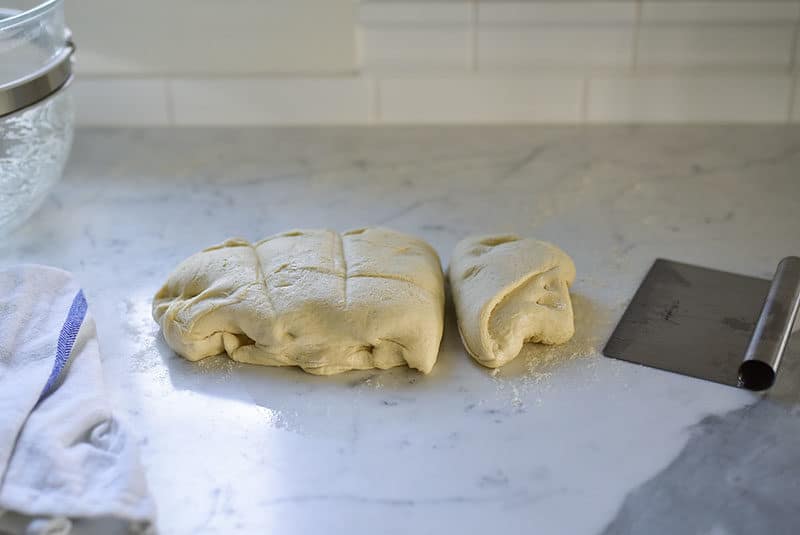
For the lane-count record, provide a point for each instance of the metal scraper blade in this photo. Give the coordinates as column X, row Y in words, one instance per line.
column 714, row 325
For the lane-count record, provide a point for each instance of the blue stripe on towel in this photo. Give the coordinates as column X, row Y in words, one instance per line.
column 66, row 339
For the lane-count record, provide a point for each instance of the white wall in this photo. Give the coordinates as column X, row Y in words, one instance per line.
column 338, row 62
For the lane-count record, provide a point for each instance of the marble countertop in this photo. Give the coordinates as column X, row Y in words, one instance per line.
column 559, row 441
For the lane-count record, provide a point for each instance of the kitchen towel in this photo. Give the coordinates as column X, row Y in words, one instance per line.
column 64, row 457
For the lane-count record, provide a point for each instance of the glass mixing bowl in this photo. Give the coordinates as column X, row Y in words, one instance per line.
column 36, row 109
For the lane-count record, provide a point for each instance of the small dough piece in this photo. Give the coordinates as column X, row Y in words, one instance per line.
column 327, row 302
column 509, row 291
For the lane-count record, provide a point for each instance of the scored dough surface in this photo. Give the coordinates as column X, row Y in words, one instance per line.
column 317, row 299
column 509, row 291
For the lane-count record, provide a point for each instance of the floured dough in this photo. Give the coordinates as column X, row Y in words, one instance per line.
column 368, row 298
column 509, row 291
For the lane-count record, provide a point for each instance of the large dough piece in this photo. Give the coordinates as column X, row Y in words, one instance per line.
column 368, row 298
column 509, row 291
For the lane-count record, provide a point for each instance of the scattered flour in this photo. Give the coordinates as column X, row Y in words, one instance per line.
column 537, row 368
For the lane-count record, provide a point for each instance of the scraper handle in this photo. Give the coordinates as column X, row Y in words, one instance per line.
column 773, row 328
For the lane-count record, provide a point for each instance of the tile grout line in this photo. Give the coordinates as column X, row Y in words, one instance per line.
column 793, row 51
column 637, row 23
column 793, row 68
column 358, row 44
column 474, row 34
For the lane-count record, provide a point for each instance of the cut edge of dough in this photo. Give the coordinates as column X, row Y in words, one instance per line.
column 230, row 242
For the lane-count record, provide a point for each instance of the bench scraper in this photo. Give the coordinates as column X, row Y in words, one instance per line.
column 713, row 325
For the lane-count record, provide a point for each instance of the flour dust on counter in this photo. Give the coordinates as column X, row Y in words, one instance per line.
column 527, row 381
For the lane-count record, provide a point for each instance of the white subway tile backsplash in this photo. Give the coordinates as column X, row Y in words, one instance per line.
column 480, row 100
column 271, row 101
column 514, row 35
column 417, row 48
column 645, row 61
column 416, row 36
column 514, row 13
column 201, row 37
column 712, row 45
column 671, row 98
column 416, row 13
column 720, row 12
column 700, row 98
column 554, row 45
column 109, row 102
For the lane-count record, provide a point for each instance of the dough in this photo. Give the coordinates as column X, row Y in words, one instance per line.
column 509, row 291
column 368, row 298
